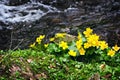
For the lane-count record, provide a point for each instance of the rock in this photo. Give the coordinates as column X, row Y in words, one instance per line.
column 17, row 2
column 51, row 16
column 5, row 38
column 60, row 4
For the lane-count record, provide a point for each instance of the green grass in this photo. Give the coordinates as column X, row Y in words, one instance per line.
column 38, row 65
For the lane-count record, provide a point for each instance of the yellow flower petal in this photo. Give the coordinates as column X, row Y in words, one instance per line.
column 60, row 35
column 72, row 53
column 38, row 39
column 82, row 51
column 46, row 45
column 87, row 45
column 111, row 53
column 116, row 48
column 63, row 44
column 103, row 45
column 88, row 32
column 32, row 45
column 79, row 44
column 42, row 36
column 52, row 39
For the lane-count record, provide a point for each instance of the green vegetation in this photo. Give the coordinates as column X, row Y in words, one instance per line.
column 65, row 57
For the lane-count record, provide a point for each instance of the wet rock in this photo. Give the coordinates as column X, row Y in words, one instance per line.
column 61, row 4
column 48, row 17
column 17, row 2
column 5, row 38
column 115, row 6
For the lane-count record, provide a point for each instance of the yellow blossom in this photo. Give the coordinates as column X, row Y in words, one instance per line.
column 42, row 36
column 87, row 45
column 93, row 40
column 60, row 35
column 95, row 43
column 103, row 45
column 116, row 48
column 88, row 32
column 111, row 53
column 78, row 44
column 38, row 40
column 46, row 45
column 63, row 44
column 72, row 53
column 82, row 51
column 52, row 39
column 32, row 45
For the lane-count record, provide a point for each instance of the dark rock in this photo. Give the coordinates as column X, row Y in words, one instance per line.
column 115, row 6
column 60, row 4
column 17, row 2
column 5, row 38
column 68, row 16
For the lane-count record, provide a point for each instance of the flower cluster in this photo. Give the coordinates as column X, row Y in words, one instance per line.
column 112, row 51
column 38, row 40
column 57, row 35
column 81, row 45
column 89, row 40
column 92, row 40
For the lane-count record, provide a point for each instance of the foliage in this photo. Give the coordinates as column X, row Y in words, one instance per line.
column 65, row 57
column 31, row 64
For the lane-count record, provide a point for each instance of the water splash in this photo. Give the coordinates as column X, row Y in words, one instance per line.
column 27, row 12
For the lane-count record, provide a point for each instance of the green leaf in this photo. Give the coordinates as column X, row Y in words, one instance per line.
column 52, row 47
column 72, row 46
column 90, row 51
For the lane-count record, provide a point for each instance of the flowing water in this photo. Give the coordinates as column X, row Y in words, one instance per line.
column 30, row 11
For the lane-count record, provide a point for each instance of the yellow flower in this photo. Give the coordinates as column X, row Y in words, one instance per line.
column 103, row 45
column 63, row 44
column 111, row 53
column 78, row 44
column 38, row 40
column 46, row 45
column 116, row 48
column 82, row 51
column 93, row 40
column 52, row 39
column 87, row 45
column 42, row 36
column 60, row 35
column 88, row 32
column 32, row 45
column 72, row 53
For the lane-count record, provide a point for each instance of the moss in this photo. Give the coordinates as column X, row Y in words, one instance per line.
column 31, row 64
